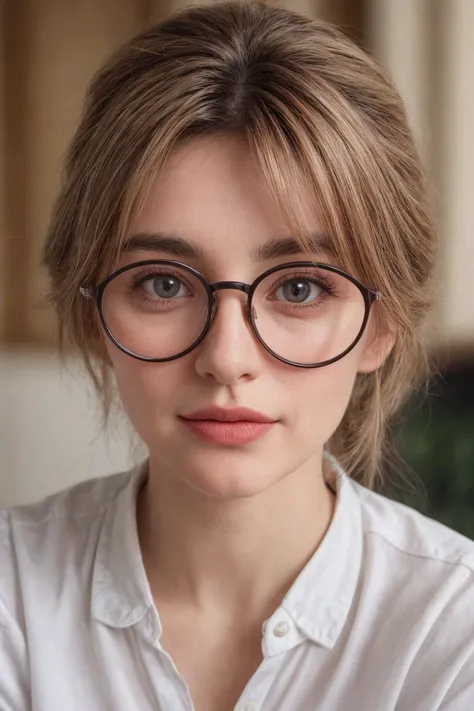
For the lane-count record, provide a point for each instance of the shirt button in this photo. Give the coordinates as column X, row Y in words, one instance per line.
column 281, row 629
column 248, row 707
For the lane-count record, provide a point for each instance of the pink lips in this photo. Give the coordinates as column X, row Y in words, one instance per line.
column 234, row 426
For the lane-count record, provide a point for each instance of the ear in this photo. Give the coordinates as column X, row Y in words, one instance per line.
column 377, row 344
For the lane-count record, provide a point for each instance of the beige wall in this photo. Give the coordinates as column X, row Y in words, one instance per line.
column 457, row 179
column 59, row 45
column 50, row 429
column 427, row 46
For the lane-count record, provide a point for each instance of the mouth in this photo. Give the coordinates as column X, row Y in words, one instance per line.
column 234, row 426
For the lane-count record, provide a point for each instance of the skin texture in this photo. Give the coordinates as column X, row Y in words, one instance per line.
column 225, row 530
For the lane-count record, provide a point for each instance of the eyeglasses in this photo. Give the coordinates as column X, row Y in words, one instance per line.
column 305, row 314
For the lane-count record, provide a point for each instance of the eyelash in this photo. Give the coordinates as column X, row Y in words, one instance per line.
column 139, row 279
column 143, row 276
column 321, row 281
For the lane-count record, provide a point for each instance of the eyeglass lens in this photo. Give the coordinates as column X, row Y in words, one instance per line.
column 306, row 314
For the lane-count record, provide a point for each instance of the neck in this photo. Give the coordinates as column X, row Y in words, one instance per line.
column 240, row 554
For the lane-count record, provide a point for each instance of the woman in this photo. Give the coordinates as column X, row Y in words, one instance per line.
column 242, row 241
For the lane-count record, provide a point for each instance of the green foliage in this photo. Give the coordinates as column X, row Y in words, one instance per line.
column 436, row 440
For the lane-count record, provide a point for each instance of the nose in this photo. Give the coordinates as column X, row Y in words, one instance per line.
column 229, row 353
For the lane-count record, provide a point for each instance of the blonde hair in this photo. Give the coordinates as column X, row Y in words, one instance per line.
column 322, row 120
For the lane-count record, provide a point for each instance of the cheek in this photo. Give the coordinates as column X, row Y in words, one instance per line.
column 324, row 395
column 147, row 390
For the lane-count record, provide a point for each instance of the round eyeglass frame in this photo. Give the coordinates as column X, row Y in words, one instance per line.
column 97, row 294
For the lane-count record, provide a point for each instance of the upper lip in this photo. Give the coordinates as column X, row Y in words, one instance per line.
column 223, row 414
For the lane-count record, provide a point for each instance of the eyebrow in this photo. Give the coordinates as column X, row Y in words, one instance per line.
column 176, row 246
column 159, row 242
column 288, row 246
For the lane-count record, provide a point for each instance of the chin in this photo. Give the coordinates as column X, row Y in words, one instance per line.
column 228, row 485
column 228, row 475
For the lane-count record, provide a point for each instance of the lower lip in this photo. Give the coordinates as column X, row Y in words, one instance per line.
column 230, row 433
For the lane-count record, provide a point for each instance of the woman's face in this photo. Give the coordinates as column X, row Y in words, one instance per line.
column 211, row 195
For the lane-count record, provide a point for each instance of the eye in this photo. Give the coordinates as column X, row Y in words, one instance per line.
column 165, row 286
column 298, row 291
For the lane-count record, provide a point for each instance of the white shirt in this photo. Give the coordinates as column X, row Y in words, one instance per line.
column 380, row 619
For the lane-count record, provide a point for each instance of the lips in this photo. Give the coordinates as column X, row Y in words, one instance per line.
column 222, row 414
column 236, row 426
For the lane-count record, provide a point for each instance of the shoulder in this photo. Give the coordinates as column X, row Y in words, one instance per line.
column 36, row 539
column 71, row 509
column 81, row 500
column 416, row 538
column 46, row 555
column 418, row 583
column 416, row 595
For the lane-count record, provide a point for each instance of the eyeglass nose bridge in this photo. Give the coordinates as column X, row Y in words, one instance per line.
column 237, row 285
column 223, row 285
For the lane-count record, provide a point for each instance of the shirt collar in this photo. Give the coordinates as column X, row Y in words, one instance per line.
column 318, row 602
column 121, row 593
column 320, row 599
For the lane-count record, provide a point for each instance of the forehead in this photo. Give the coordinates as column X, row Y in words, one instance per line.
column 211, row 193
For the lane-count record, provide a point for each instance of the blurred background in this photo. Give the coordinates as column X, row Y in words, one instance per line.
column 50, row 430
